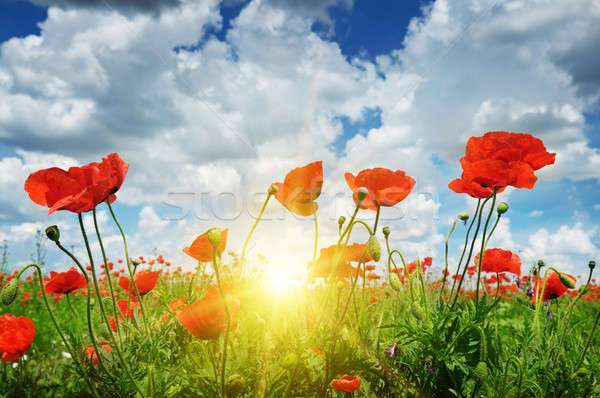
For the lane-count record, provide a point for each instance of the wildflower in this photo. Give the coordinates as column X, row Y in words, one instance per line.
column 16, row 335
column 390, row 352
column 498, row 260
column 144, row 280
column 92, row 355
column 323, row 267
column 202, row 250
column 79, row 189
column 300, row 188
column 554, row 287
column 346, row 383
column 412, row 266
column 65, row 282
column 385, row 187
column 499, row 159
column 430, row 368
column 206, row 318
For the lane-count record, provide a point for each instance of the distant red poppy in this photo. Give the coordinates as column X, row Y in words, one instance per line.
column 206, row 318
column 386, row 187
column 16, row 335
column 498, row 159
column 498, row 260
column 412, row 266
column 554, row 287
column 144, row 280
column 300, row 188
column 90, row 353
column 65, row 282
column 202, row 250
column 370, row 267
column 346, row 383
column 79, row 189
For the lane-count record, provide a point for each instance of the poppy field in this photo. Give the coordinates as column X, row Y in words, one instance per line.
column 361, row 320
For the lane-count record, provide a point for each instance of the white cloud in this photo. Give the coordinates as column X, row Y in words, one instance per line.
column 535, row 213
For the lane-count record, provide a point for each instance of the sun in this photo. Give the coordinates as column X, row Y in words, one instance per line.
column 281, row 281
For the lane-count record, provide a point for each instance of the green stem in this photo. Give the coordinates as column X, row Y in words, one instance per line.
column 316, row 233
column 131, row 274
column 446, row 257
column 243, row 257
column 589, row 341
column 59, row 330
column 376, row 219
column 483, row 242
column 228, row 319
column 74, row 313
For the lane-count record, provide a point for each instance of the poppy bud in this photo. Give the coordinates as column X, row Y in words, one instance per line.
column 272, row 190
column 566, row 281
column 481, row 371
column 234, row 385
column 541, row 263
column 214, row 237
column 341, row 220
column 10, row 291
column 502, row 207
column 592, row 264
column 135, row 262
column 416, row 311
column 395, row 282
column 340, row 285
column 53, row 233
column 373, row 248
column 464, row 216
column 386, row 231
column 361, row 194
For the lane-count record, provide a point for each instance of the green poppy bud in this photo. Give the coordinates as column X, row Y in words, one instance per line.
column 272, row 190
column 502, row 207
column 214, row 236
column 53, row 233
column 341, row 220
column 234, row 385
column 566, row 281
column 395, row 282
column 416, row 311
column 481, row 371
column 10, row 291
column 592, row 264
column 541, row 263
column 464, row 216
column 340, row 285
column 386, row 231
column 373, row 248
column 362, row 193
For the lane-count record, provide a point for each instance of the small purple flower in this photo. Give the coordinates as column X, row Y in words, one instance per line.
column 529, row 292
column 390, row 352
column 518, row 282
column 430, row 368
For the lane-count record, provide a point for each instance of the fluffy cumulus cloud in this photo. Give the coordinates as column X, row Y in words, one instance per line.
column 201, row 118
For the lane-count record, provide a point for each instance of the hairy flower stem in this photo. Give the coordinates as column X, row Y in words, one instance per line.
column 465, row 245
column 131, row 273
column 228, row 319
column 74, row 313
column 483, row 243
column 243, row 257
column 59, row 330
column 462, row 278
column 572, row 304
column 446, row 257
column 89, row 304
column 108, row 277
column 589, row 341
column 376, row 220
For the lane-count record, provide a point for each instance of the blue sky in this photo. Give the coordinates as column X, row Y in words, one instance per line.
column 225, row 97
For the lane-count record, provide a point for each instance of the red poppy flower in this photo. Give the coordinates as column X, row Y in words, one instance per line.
column 498, row 260
column 65, row 282
column 498, row 159
column 177, row 305
column 370, row 267
column 16, row 335
column 144, row 280
column 79, row 189
column 325, row 263
column 346, row 383
column 206, row 318
column 201, row 249
column 412, row 266
column 300, row 188
column 554, row 287
column 386, row 187
column 90, row 353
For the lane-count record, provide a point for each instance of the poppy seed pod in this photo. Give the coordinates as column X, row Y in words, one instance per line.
column 502, row 207
column 361, row 194
column 464, row 216
column 373, row 248
column 53, row 233
column 566, row 281
column 214, row 237
column 272, row 190
column 386, row 231
column 10, row 291
column 592, row 264
column 135, row 262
